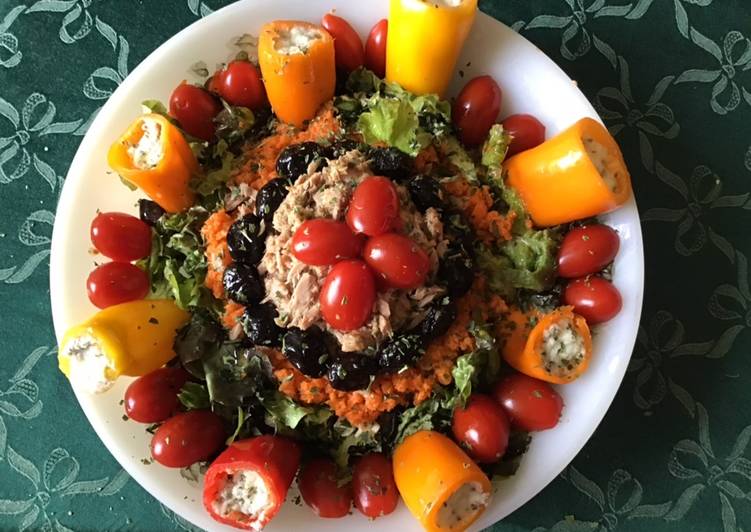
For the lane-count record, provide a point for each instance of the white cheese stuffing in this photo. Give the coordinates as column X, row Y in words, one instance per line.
column 462, row 505
column 296, row 40
column 606, row 166
column 148, row 152
column 562, row 349
column 90, row 369
column 245, row 492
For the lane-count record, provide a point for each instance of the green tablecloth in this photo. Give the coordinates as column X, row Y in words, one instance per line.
column 672, row 79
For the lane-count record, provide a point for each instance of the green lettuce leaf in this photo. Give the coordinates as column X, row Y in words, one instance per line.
column 393, row 122
column 459, row 158
column 282, row 409
column 496, row 146
column 194, row 396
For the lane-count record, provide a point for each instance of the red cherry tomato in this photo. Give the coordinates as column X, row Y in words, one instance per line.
column 240, row 84
column 374, row 486
column 531, row 404
column 397, row 260
column 350, row 54
column 120, row 236
column 482, row 428
column 375, row 48
column 323, row 241
column 374, row 207
column 587, row 250
column 153, row 397
column 347, row 295
column 194, row 108
column 188, row 438
column 113, row 283
column 476, row 109
column 320, row 489
column 526, row 130
column 593, row 298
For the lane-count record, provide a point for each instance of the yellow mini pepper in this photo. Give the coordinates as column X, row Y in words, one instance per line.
column 577, row 174
column 443, row 488
column 133, row 338
column 425, row 40
column 164, row 174
column 299, row 78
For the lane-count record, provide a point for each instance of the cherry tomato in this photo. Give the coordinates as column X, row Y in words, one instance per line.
column 476, row 109
column 347, row 295
column 526, row 130
column 194, row 108
column 240, row 83
column 531, row 404
column 593, row 298
column 188, row 438
column 320, row 489
column 397, row 260
column 120, row 236
column 323, row 241
column 375, row 48
column 482, row 428
column 374, row 486
column 113, row 283
column 153, row 397
column 587, row 250
column 348, row 49
column 374, row 207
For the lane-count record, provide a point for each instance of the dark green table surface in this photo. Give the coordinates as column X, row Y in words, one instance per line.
column 672, row 79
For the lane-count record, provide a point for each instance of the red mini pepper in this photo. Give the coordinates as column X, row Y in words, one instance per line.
column 274, row 459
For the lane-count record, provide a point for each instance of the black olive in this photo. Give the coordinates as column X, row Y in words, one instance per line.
column 438, row 319
column 269, row 198
column 242, row 283
column 425, row 193
column 259, row 325
column 246, row 239
column 389, row 426
column 149, row 211
column 352, row 371
column 456, row 272
column 391, row 162
column 296, row 158
column 340, row 147
column 399, row 352
column 306, row 350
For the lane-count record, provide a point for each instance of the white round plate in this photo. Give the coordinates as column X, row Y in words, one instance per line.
column 531, row 83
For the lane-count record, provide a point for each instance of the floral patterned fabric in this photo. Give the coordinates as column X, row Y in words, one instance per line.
column 672, row 80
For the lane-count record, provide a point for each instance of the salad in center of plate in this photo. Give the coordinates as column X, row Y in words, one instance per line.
column 340, row 276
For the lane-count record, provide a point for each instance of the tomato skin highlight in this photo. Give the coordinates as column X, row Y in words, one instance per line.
column 475, row 110
column 397, row 260
column 348, row 49
column 187, row 438
column 113, row 283
column 373, row 484
column 323, row 241
column 375, row 48
column 587, row 250
column 194, row 108
column 152, row 398
column 526, row 130
column 320, row 489
column 240, row 84
column 593, row 298
column 120, row 236
column 530, row 403
column 374, row 207
column 481, row 428
column 347, row 295
column 274, row 458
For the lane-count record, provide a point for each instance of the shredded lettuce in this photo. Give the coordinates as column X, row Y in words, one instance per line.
column 496, row 146
column 393, row 122
column 458, row 157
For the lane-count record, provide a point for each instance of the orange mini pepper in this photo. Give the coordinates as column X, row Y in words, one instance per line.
column 298, row 67
column 429, row 469
column 525, row 338
column 575, row 175
column 162, row 168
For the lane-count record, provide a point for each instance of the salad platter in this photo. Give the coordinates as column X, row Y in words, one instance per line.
column 385, row 281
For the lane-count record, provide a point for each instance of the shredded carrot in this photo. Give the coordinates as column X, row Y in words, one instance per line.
column 477, row 203
column 232, row 313
column 214, row 233
column 426, row 159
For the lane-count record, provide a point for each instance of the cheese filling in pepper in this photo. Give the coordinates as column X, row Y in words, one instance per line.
column 148, row 152
column 296, row 39
column 466, row 502
column 89, row 368
column 562, row 348
column 245, row 492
